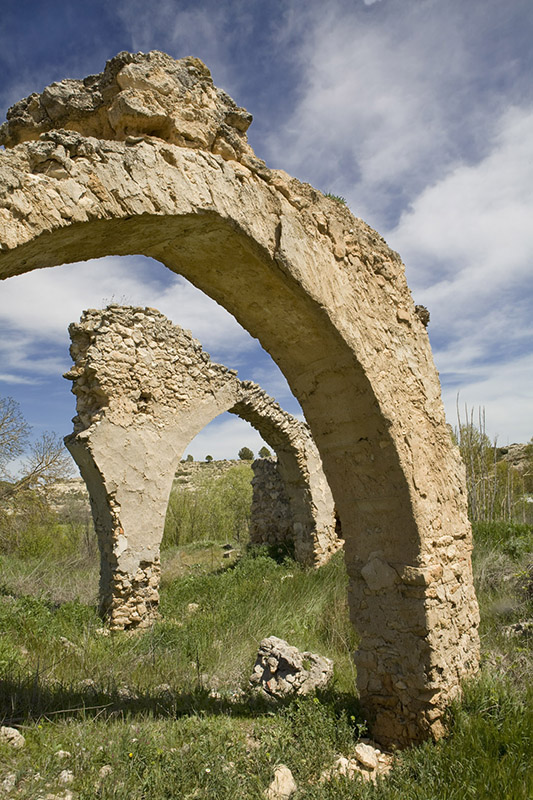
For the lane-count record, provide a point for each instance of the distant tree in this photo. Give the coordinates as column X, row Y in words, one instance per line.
column 189, row 458
column 47, row 459
column 209, row 459
column 245, row 454
column 14, row 432
column 265, row 453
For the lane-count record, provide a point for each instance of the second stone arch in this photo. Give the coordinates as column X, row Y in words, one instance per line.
column 144, row 389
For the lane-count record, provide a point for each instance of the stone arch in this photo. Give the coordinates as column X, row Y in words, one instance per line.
column 150, row 158
column 144, row 389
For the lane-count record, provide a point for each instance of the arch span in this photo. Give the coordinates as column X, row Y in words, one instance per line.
column 149, row 157
column 144, row 389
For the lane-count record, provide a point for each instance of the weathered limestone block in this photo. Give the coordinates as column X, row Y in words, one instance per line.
column 137, row 94
column 144, row 388
column 328, row 300
column 281, row 669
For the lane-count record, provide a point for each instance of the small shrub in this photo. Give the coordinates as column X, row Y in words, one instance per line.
column 337, row 197
column 245, row 454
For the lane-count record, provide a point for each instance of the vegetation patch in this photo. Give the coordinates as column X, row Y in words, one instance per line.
column 167, row 712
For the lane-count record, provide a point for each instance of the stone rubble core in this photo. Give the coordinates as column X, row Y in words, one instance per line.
column 150, row 158
column 281, row 669
column 368, row 763
column 144, row 388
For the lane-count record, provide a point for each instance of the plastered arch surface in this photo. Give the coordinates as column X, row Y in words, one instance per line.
column 144, row 389
column 149, row 157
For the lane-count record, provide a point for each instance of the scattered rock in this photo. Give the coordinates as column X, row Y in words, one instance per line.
column 125, row 693
column 283, row 784
column 281, row 669
column 163, row 688
column 252, row 743
column 88, row 685
column 366, row 755
column 523, row 628
column 9, row 782
column 12, row 737
column 66, row 777
column 369, row 763
column 62, row 754
column 106, row 770
column 192, row 607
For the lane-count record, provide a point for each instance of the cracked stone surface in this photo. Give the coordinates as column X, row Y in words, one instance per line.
column 144, row 388
column 150, row 158
column 281, row 669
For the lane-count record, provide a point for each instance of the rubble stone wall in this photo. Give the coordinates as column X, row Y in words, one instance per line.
column 144, row 389
column 271, row 519
column 149, row 157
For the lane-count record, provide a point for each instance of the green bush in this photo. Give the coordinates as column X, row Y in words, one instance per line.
column 511, row 539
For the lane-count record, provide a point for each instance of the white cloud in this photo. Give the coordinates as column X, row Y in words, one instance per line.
column 36, row 309
column 389, row 99
column 204, row 32
column 504, row 392
column 468, row 245
column 223, row 438
column 477, row 217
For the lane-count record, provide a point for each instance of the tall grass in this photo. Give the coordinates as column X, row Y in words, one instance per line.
column 163, row 708
column 167, row 711
column 216, row 509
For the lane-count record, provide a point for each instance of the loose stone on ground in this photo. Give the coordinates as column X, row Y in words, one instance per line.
column 283, row 785
column 281, row 669
column 12, row 737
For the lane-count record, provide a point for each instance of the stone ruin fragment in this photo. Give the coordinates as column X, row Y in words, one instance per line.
column 144, row 388
column 281, row 670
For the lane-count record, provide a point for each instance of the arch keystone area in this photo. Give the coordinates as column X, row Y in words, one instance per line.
column 150, row 158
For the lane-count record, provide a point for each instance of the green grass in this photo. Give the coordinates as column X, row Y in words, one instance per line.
column 337, row 197
column 168, row 709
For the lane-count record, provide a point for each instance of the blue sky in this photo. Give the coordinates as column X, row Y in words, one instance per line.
column 418, row 112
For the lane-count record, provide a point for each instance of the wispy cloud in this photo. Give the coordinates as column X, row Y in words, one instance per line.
column 208, row 31
column 468, row 244
column 392, row 96
column 505, row 393
column 37, row 308
column 418, row 112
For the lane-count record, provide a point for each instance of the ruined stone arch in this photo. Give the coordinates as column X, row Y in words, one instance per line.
column 150, row 158
column 144, row 388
